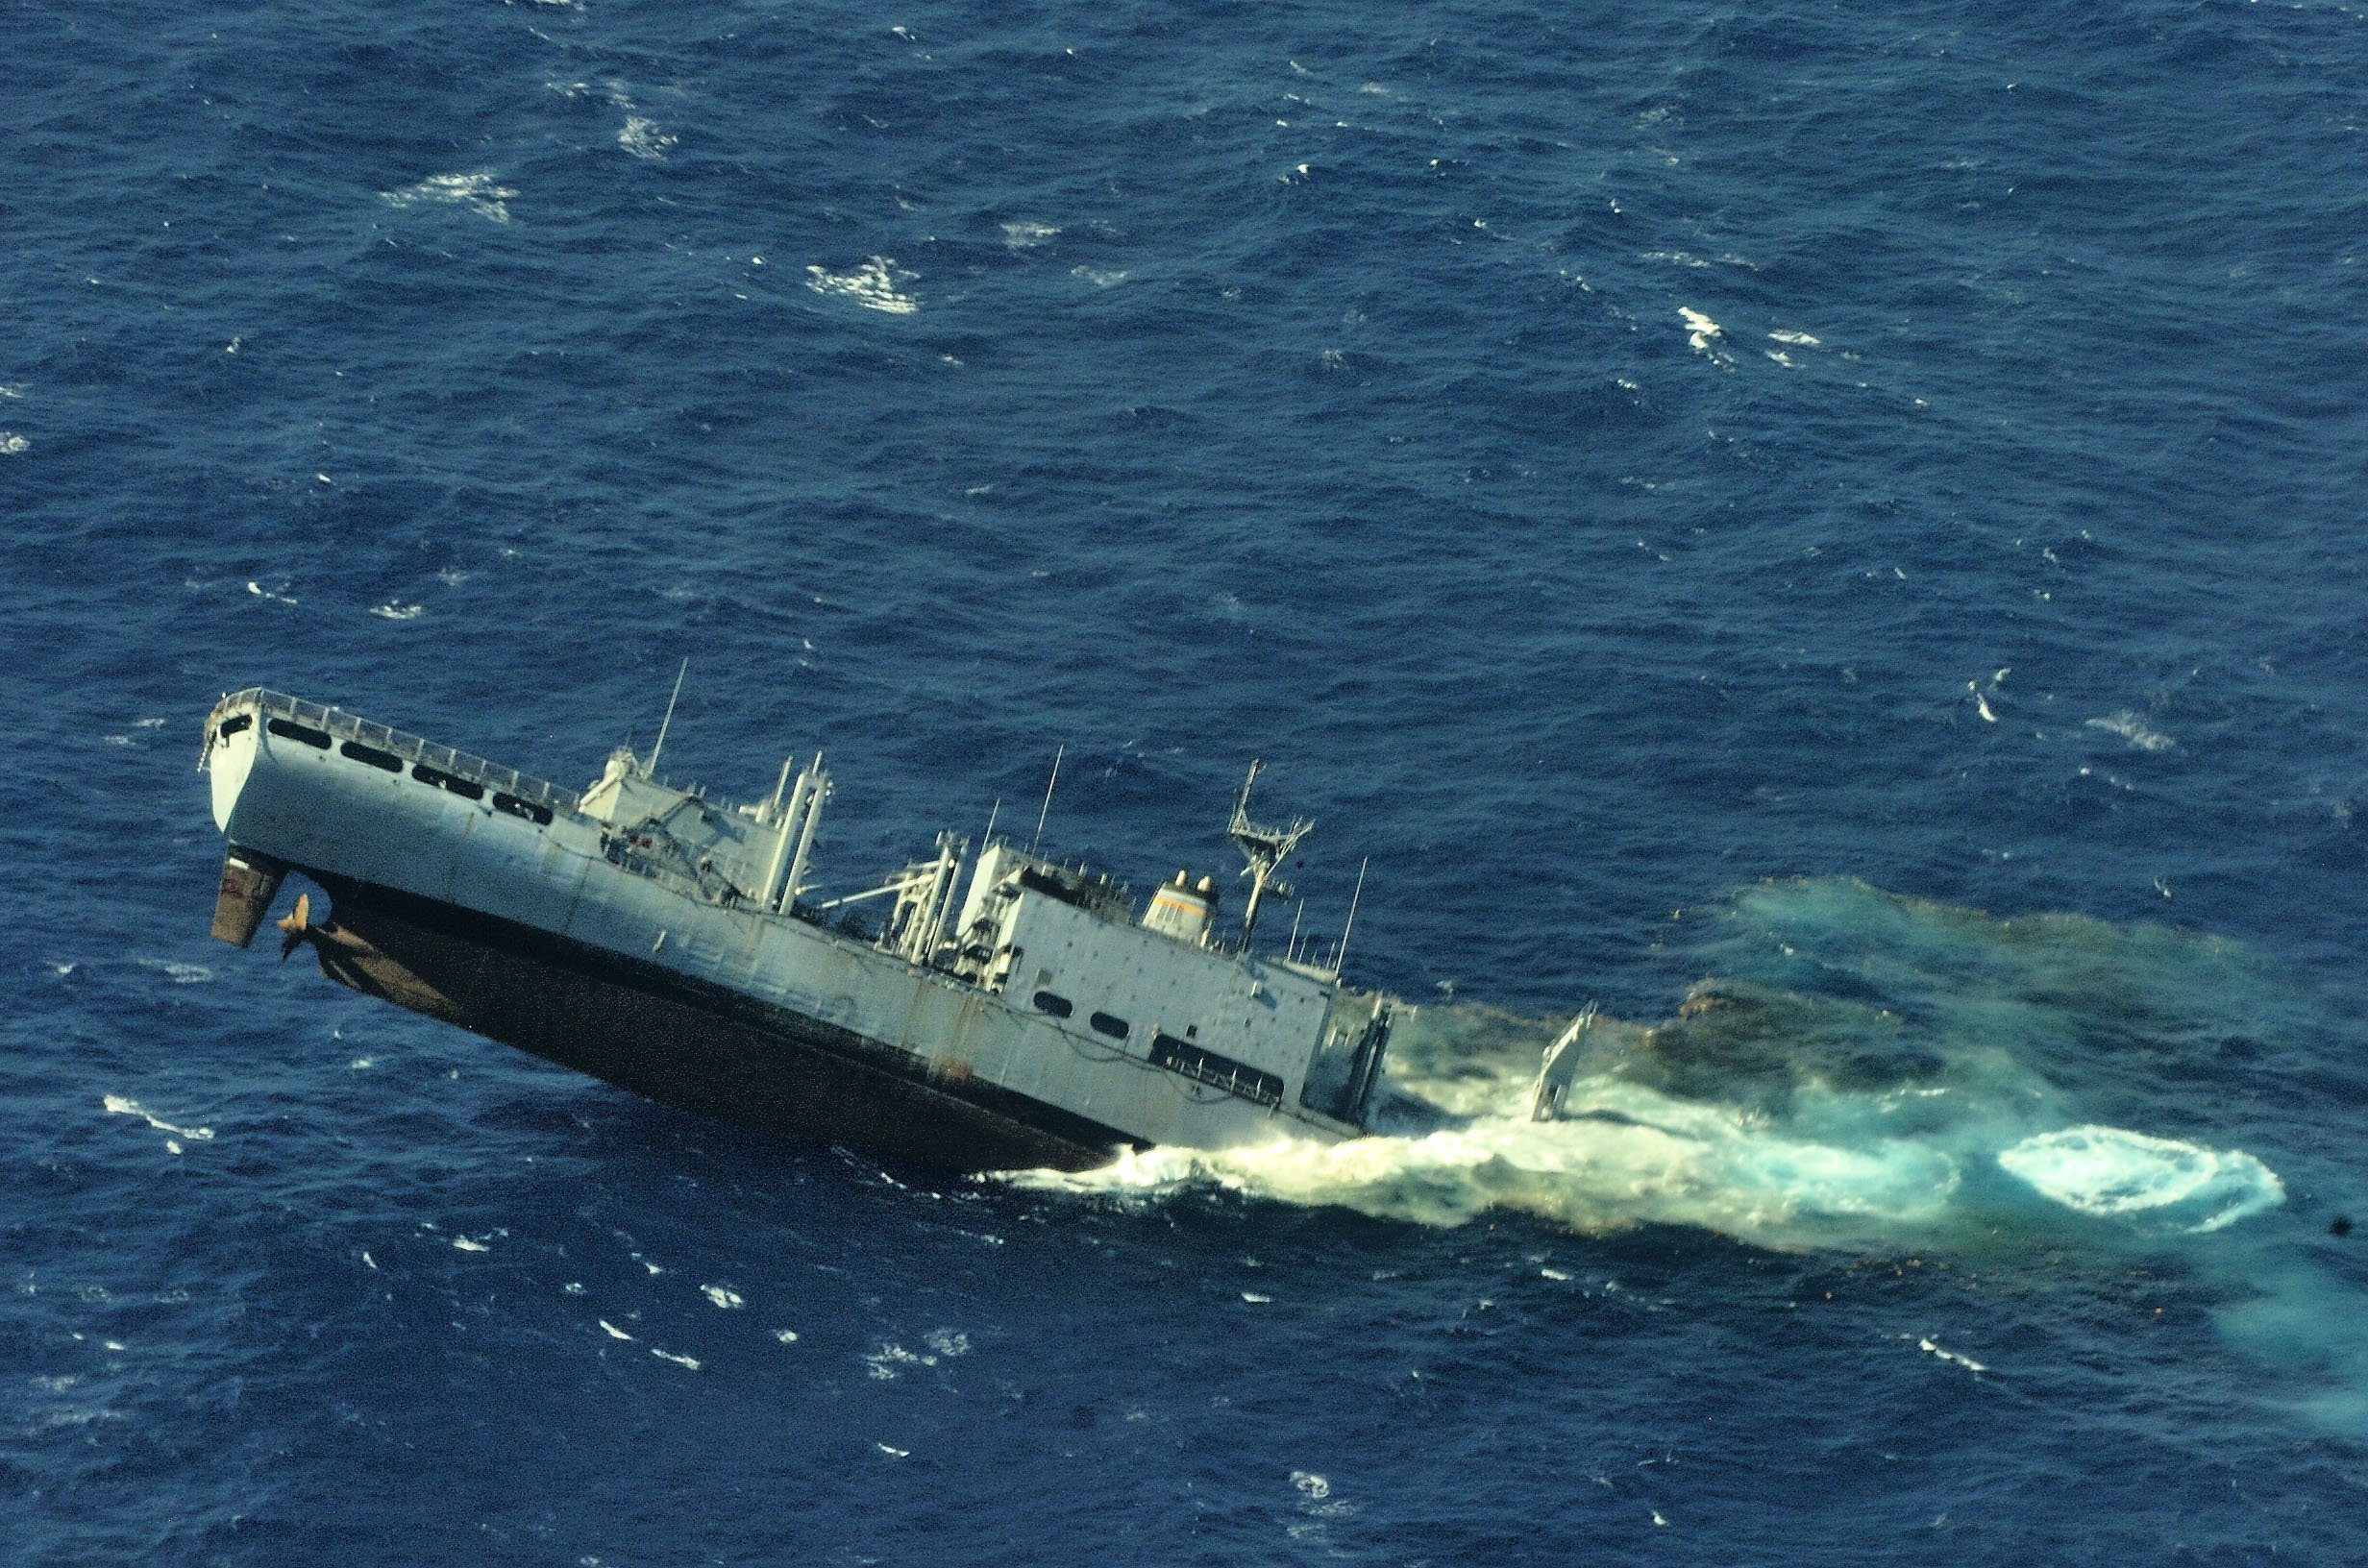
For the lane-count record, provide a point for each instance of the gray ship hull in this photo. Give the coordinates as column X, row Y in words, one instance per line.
column 551, row 922
column 683, row 1042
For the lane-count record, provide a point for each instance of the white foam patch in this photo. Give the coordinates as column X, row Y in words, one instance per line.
column 10, row 443
column 872, row 286
column 477, row 192
column 180, row 974
column 1026, row 236
column 117, row 1105
column 392, row 611
column 1621, row 1155
column 2131, row 728
column 614, row 1333
column 722, row 1297
column 642, row 138
column 1700, row 329
column 2115, row 1174
column 1799, row 340
column 1098, row 277
column 1966, row 1361
column 690, row 1361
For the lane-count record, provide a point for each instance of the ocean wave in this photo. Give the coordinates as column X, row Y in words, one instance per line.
column 872, row 286
column 477, row 192
column 642, row 138
column 2133, row 729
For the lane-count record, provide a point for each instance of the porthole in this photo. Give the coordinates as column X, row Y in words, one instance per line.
column 372, row 755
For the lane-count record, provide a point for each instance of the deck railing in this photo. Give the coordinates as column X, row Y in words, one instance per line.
column 410, row 747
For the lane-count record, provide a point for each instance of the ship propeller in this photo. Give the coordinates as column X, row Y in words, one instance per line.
column 297, row 924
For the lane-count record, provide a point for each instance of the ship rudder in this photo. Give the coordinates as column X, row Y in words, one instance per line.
column 250, row 881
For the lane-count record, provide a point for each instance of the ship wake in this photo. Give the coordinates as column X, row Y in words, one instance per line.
column 1868, row 1070
column 1878, row 1073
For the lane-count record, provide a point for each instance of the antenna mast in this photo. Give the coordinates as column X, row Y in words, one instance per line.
column 1339, row 954
column 649, row 770
column 1264, row 847
column 1048, row 805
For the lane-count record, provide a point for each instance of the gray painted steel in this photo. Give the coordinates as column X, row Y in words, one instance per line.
column 1041, row 997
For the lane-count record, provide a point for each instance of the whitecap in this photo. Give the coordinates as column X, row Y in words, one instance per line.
column 2131, row 728
column 1098, row 277
column 872, row 286
column 2112, row 1172
column 181, row 974
column 1026, row 236
column 1965, row 1361
column 723, row 1297
column 889, row 1359
column 470, row 1244
column 1800, row 340
column 947, row 1342
column 117, row 1105
column 392, row 611
column 1700, row 329
column 642, row 138
column 690, row 1361
column 614, row 1333
column 12, row 443
column 477, row 192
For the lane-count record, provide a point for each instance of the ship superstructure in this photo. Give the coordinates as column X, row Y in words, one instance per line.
column 1009, row 1010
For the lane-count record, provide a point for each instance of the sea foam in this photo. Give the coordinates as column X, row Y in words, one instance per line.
column 2115, row 1174
column 872, row 286
column 477, row 192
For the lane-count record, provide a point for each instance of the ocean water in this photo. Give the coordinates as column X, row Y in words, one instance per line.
column 1832, row 534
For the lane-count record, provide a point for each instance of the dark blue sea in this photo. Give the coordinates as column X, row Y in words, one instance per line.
column 1852, row 515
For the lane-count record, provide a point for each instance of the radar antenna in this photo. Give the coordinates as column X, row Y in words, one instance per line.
column 1264, row 847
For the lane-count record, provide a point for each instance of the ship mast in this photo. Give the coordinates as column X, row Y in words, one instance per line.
column 1264, row 847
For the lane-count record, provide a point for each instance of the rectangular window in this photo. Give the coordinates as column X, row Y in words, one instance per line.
column 1222, row 1072
column 288, row 729
column 539, row 816
column 1060, row 1007
column 372, row 755
column 1107, row 1023
column 466, row 789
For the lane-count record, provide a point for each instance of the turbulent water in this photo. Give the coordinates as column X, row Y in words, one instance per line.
column 1832, row 536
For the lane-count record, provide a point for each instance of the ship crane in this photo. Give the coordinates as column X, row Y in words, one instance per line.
column 1264, row 847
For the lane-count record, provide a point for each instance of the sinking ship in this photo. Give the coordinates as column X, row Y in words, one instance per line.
column 1007, row 1009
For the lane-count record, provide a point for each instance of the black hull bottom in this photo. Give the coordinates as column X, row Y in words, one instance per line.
column 683, row 1043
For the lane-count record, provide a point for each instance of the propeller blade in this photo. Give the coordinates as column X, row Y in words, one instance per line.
column 297, row 924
